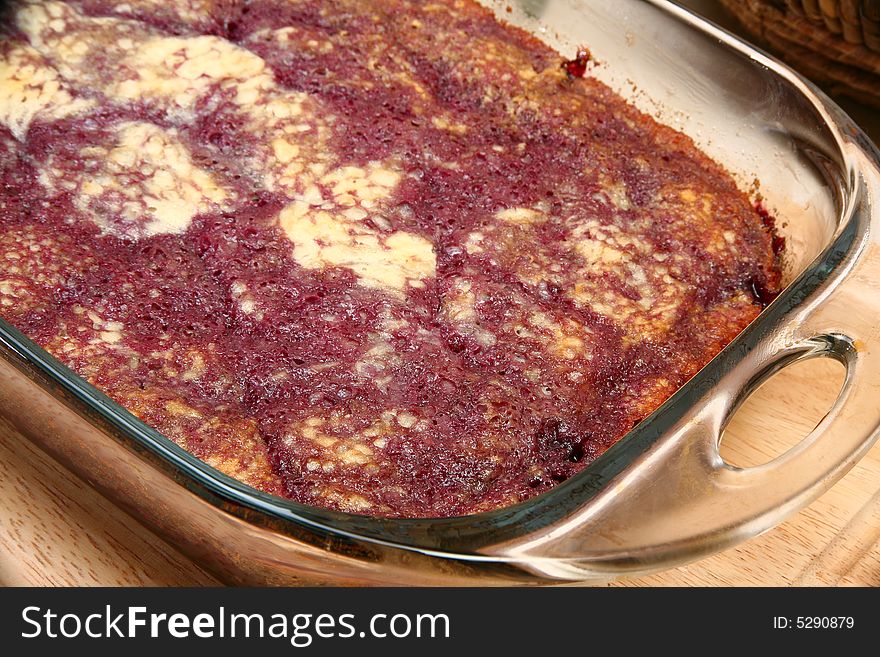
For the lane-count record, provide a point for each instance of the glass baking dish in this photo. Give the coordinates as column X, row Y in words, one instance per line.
column 660, row 496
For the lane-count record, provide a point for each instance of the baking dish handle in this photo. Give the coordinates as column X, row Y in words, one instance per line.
column 679, row 499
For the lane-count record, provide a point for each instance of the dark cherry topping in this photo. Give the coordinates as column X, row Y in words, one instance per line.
column 577, row 67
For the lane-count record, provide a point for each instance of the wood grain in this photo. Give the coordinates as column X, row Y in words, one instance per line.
column 56, row 530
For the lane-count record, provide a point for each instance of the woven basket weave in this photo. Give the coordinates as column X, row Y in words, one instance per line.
column 836, row 43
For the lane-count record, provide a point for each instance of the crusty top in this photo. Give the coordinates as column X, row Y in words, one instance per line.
column 388, row 257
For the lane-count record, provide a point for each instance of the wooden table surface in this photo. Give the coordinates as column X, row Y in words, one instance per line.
column 56, row 530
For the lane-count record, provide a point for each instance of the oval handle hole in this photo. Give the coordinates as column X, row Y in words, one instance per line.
column 781, row 412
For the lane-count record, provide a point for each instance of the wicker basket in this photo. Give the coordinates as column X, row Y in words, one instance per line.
column 836, row 43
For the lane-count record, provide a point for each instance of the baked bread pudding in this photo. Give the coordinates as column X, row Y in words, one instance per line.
column 388, row 257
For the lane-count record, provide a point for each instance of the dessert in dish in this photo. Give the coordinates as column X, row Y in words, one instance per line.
column 388, row 257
